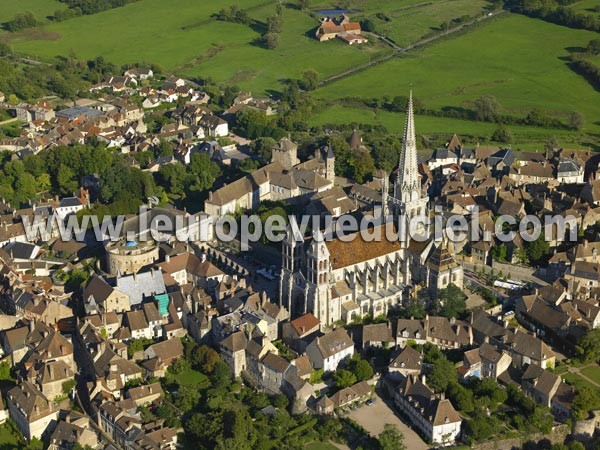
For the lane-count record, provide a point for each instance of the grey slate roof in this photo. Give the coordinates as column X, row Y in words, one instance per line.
column 141, row 285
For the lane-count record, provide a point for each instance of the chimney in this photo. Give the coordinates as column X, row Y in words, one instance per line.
column 167, row 258
column 423, row 379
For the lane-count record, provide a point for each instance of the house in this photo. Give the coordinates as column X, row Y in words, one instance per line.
column 471, row 366
column 158, row 357
column 493, row 362
column 273, row 370
column 377, row 335
column 431, row 413
column 410, row 330
column 138, row 326
column 146, row 393
column 122, row 425
column 142, row 73
column 233, row 351
column 300, row 331
column 527, row 349
column 31, row 410
column 142, row 285
column 73, row 429
column 188, row 268
column 341, row 28
column 343, row 398
column 540, row 384
column 72, row 205
column 405, row 362
column 99, row 296
column 327, row 351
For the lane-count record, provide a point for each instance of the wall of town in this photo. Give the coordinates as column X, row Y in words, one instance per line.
column 556, row 436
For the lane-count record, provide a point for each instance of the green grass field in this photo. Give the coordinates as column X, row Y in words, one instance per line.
column 592, row 372
column 41, row 9
column 524, row 137
column 260, row 70
column 498, row 59
column 190, row 377
column 586, row 6
column 181, row 36
column 407, row 24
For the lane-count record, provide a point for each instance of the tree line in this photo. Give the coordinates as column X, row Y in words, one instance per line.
column 555, row 11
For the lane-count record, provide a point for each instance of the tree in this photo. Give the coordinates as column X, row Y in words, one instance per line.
column 499, row 253
column 576, row 120
column 442, row 374
column 361, row 369
column 452, row 301
column 280, row 401
column 361, row 164
column 172, row 177
column 310, row 80
column 537, row 250
column 415, row 308
column 367, row 25
column 487, row 108
column 344, row 378
column 391, row 438
column 461, row 397
column 589, row 345
column 263, row 147
column 270, row 40
column 164, row 148
column 203, row 172
column 480, row 427
column 593, row 47
column 68, row 386
column 502, row 134
column 22, row 20
column 275, row 24
column 205, row 358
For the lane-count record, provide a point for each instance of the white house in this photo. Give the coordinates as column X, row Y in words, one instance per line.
column 326, row 352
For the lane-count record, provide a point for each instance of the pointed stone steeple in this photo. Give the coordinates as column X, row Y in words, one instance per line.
column 407, row 186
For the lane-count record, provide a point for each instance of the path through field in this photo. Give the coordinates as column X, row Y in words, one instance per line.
column 401, row 50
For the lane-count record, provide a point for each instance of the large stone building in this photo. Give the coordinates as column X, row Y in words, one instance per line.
column 340, row 280
column 125, row 257
column 284, row 178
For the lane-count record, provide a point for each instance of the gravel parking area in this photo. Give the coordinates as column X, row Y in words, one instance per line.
column 373, row 418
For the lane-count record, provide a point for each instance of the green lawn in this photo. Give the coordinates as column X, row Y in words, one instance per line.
column 500, row 59
column 259, row 70
column 40, row 8
column 576, row 381
column 524, row 137
column 190, row 377
column 585, row 6
column 320, row 446
column 181, row 36
column 592, row 372
column 408, row 24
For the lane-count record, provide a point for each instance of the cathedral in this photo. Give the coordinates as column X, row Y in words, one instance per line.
column 341, row 280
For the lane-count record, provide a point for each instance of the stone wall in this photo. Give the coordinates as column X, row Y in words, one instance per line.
column 584, row 429
column 556, row 436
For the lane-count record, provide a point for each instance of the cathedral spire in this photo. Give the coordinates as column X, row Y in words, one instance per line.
column 407, row 182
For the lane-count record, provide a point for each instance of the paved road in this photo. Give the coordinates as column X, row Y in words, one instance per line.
column 401, row 50
column 373, row 418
